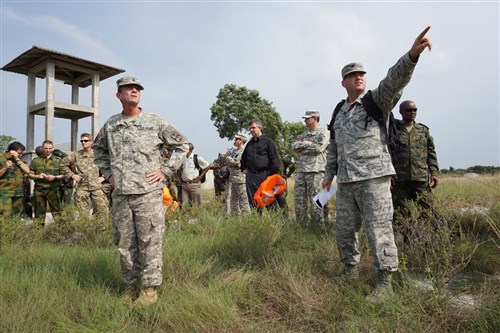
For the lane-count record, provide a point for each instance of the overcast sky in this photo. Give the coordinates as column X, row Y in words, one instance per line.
column 291, row 52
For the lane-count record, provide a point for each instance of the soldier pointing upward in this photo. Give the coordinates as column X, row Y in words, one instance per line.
column 359, row 157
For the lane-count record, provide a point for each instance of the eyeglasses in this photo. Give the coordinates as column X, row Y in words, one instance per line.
column 82, row 141
column 411, row 110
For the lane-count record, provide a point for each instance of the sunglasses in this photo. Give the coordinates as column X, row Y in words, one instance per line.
column 411, row 110
column 82, row 141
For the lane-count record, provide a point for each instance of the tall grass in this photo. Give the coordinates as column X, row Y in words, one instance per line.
column 255, row 274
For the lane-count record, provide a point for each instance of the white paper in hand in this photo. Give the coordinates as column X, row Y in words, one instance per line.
column 324, row 195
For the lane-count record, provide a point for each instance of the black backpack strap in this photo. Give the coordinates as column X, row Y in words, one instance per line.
column 195, row 160
column 334, row 115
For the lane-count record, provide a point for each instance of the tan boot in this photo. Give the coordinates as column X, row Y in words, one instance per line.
column 383, row 289
column 147, row 297
column 130, row 294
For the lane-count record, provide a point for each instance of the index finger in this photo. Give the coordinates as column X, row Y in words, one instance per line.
column 422, row 34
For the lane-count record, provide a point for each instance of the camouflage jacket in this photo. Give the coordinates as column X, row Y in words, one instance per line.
column 85, row 167
column 128, row 148
column 12, row 181
column 312, row 146
column 358, row 149
column 48, row 166
column 418, row 160
column 233, row 162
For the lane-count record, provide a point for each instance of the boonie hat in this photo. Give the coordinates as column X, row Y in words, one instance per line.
column 129, row 80
column 241, row 136
column 311, row 113
column 352, row 68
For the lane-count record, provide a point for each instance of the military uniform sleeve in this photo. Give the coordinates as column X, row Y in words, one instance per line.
column 331, row 160
column 320, row 143
column 66, row 162
column 176, row 142
column 432, row 161
column 390, row 89
column 101, row 153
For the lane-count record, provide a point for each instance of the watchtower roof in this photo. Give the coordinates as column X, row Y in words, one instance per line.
column 71, row 69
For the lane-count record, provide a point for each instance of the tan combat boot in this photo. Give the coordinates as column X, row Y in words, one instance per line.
column 147, row 297
column 130, row 294
column 383, row 289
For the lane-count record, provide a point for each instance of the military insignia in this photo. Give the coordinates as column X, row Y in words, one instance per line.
column 176, row 136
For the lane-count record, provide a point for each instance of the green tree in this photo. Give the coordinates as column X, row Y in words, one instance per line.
column 236, row 106
column 4, row 142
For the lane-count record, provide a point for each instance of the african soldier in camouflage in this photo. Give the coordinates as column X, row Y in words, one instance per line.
column 312, row 146
column 45, row 171
column 236, row 190
column 13, row 172
column 358, row 155
column 127, row 151
column 88, row 182
column 416, row 165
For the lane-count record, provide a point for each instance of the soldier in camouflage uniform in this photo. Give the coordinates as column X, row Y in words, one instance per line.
column 127, row 151
column 312, row 146
column 86, row 176
column 66, row 188
column 358, row 155
column 45, row 171
column 13, row 172
column 416, row 165
column 236, row 190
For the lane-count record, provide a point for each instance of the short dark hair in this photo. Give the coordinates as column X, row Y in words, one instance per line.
column 47, row 141
column 16, row 145
column 257, row 123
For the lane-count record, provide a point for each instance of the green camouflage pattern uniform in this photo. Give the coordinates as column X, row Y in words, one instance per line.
column 129, row 148
column 358, row 155
column 46, row 192
column 414, row 165
column 11, row 188
column 310, row 173
column 89, row 190
column 236, row 189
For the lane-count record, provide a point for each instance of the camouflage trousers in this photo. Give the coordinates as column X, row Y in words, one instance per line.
column 236, row 198
column 11, row 206
column 84, row 199
column 307, row 185
column 369, row 201
column 414, row 191
column 139, row 224
column 45, row 196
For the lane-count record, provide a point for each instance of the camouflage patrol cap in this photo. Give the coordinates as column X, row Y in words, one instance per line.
column 129, row 80
column 311, row 113
column 353, row 67
column 240, row 136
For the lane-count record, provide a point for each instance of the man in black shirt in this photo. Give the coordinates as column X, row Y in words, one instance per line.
column 260, row 159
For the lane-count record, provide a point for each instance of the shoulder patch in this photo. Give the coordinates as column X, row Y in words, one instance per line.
column 424, row 125
column 177, row 137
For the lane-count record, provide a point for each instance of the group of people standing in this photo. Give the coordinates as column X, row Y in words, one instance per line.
column 51, row 173
column 128, row 149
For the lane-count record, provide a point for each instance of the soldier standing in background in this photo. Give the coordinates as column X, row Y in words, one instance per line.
column 127, row 151
column 416, row 165
column 312, row 146
column 45, row 171
column 13, row 172
column 358, row 155
column 85, row 173
column 236, row 191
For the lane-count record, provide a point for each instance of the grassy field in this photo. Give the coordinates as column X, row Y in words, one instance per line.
column 260, row 273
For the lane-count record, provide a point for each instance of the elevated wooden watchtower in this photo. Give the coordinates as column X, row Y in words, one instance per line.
column 77, row 72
